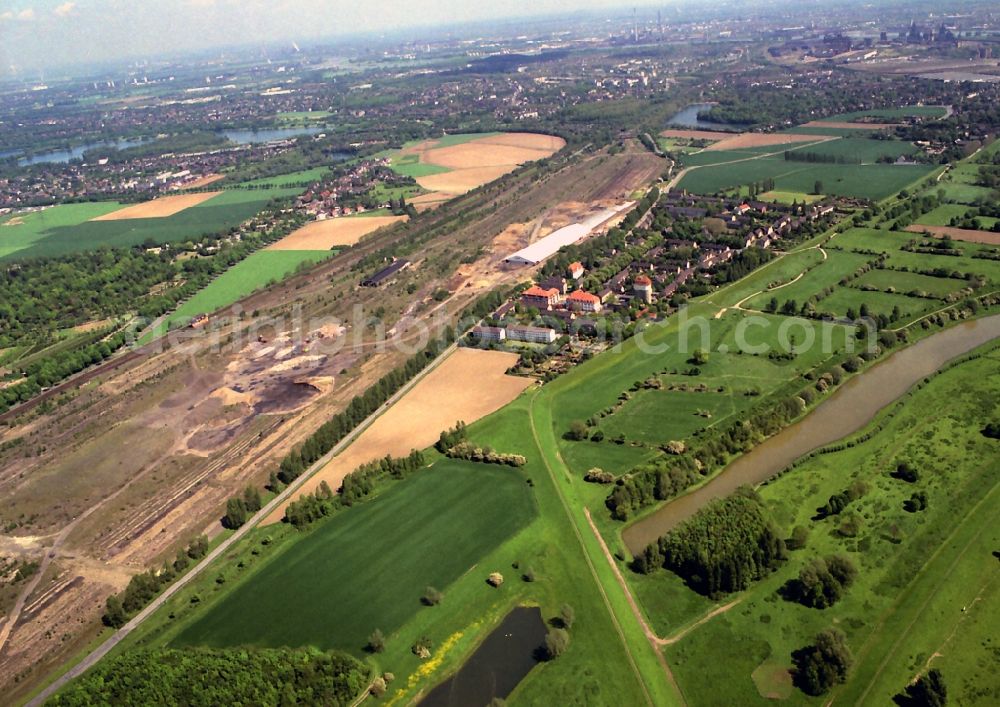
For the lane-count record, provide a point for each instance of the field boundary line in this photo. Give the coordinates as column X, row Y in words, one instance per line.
column 112, row 641
column 593, row 569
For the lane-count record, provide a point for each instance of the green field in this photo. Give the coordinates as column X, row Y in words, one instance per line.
column 411, row 166
column 875, row 181
column 292, row 178
column 250, row 274
column 891, row 242
column 927, row 582
column 36, row 226
column 862, row 150
column 942, row 215
column 451, row 525
column 303, row 116
column 789, row 197
column 891, row 113
column 827, row 274
column 66, row 229
column 906, row 282
column 368, row 567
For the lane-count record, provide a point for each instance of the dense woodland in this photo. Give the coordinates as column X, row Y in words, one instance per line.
column 209, row 677
column 722, row 549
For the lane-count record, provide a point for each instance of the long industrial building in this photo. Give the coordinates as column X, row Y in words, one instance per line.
column 548, row 246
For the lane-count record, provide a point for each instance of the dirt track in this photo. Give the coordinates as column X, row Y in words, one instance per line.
column 959, row 234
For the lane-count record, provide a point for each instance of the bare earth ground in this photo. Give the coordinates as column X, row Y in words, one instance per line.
column 429, row 201
column 480, row 161
column 959, row 234
column 764, row 140
column 696, row 134
column 204, row 181
column 468, row 385
column 200, row 425
column 846, row 125
column 323, row 235
column 159, row 208
column 461, row 181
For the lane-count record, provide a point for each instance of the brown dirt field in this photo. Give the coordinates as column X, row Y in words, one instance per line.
column 848, row 125
column 468, row 385
column 323, row 235
column 481, row 154
column 696, row 134
column 204, row 181
column 765, row 140
column 159, row 208
column 532, row 141
column 91, row 326
column 959, row 234
column 480, row 161
column 429, row 201
column 460, row 181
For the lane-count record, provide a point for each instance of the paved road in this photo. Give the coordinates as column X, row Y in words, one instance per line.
column 228, row 543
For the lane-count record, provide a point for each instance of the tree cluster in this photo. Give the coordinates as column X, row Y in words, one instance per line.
column 721, row 549
column 825, row 663
column 822, row 582
column 205, row 677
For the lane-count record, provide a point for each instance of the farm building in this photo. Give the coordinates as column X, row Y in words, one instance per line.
column 489, row 333
column 567, row 235
column 531, row 334
column 584, row 302
column 385, row 273
column 535, row 296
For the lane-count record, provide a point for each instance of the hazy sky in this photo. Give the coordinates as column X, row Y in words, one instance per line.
column 45, row 33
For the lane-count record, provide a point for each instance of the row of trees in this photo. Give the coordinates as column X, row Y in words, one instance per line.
column 724, row 547
column 212, row 676
column 357, row 486
column 240, row 508
column 144, row 587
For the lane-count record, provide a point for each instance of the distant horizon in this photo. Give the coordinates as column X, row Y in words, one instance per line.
column 41, row 36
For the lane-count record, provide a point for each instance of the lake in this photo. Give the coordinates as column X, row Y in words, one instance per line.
column 688, row 118
column 244, row 137
column 72, row 153
column 850, row 408
column 498, row 665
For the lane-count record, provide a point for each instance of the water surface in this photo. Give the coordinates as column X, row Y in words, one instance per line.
column 850, row 408
column 688, row 118
column 498, row 665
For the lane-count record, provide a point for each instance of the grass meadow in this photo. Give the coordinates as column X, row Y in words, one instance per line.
column 869, row 181
column 249, row 275
column 67, row 229
column 918, row 571
column 368, row 567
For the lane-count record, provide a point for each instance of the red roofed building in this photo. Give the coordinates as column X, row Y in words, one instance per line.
column 643, row 288
column 576, row 270
column 535, row 296
column 584, row 302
